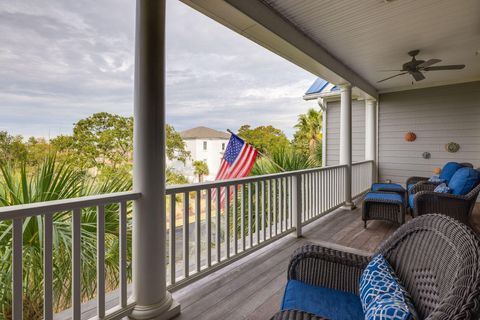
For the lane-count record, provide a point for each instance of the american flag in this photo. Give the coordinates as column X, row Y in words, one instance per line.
column 237, row 161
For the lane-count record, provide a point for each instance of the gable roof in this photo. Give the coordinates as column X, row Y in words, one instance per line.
column 204, row 133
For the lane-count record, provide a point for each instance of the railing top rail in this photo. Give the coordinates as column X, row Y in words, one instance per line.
column 224, row 183
column 48, row 207
column 362, row 162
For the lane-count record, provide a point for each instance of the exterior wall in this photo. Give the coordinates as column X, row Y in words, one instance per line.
column 333, row 132
column 212, row 156
column 437, row 116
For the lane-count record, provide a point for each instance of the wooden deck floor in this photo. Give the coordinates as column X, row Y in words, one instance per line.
column 252, row 287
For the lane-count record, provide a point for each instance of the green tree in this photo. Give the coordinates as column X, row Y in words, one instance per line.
column 103, row 139
column 104, row 142
column 173, row 177
column 201, row 169
column 176, row 148
column 267, row 139
column 12, row 148
column 308, row 136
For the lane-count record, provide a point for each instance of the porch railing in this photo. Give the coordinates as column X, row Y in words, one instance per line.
column 362, row 177
column 205, row 230
column 15, row 217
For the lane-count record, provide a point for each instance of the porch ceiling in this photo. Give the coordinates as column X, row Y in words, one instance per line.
column 351, row 41
column 373, row 35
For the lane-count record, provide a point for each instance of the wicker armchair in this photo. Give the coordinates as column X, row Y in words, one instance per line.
column 459, row 207
column 437, row 259
column 415, row 180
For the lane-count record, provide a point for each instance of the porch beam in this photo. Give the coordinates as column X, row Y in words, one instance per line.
column 149, row 217
column 346, row 140
column 272, row 21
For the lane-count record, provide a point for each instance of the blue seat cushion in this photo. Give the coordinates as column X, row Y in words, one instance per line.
column 372, row 196
column 410, row 186
column 464, row 180
column 385, row 186
column 410, row 200
column 382, row 295
column 324, row 302
column 449, row 170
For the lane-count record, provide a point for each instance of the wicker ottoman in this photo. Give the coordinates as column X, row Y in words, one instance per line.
column 391, row 187
column 389, row 206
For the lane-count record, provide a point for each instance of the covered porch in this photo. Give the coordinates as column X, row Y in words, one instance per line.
column 219, row 260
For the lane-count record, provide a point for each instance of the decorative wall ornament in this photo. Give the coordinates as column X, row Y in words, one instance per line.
column 410, row 136
column 426, row 155
column 452, row 147
column 437, row 170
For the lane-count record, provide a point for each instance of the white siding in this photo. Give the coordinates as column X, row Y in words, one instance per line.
column 437, row 116
column 333, row 132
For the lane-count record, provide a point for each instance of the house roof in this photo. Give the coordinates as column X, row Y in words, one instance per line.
column 204, row 133
column 321, row 88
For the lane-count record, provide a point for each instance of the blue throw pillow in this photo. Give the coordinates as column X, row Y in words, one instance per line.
column 442, row 188
column 381, row 294
column 464, row 180
column 449, row 170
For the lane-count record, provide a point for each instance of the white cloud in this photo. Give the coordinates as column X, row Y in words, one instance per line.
column 61, row 61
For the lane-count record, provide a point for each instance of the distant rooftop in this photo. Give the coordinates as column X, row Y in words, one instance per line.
column 204, row 133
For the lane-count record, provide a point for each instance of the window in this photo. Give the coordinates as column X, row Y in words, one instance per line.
column 223, row 146
column 204, row 145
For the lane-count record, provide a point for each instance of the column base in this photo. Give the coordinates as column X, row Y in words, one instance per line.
column 164, row 310
column 349, row 206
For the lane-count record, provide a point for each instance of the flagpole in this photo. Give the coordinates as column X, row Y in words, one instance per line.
column 263, row 155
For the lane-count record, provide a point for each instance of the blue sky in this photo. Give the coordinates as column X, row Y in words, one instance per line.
column 61, row 61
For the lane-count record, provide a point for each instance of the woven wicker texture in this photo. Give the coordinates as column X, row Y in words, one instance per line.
column 436, row 257
column 381, row 209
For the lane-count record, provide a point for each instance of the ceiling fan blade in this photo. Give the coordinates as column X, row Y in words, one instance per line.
column 392, row 77
column 429, row 63
column 417, row 75
column 449, row 67
column 390, row 70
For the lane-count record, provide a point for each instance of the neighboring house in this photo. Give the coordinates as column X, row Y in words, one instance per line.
column 437, row 115
column 205, row 144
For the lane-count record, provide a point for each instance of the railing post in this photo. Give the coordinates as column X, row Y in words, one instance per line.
column 152, row 301
column 297, row 203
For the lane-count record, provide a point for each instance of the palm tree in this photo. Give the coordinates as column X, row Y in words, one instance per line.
column 53, row 181
column 282, row 160
column 309, row 130
column 201, row 169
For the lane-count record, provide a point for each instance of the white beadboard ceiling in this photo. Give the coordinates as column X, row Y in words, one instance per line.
column 373, row 35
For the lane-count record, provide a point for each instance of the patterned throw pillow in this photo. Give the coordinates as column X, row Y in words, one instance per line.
column 382, row 296
column 436, row 179
column 442, row 188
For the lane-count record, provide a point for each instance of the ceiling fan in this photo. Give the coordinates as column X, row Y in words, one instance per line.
column 416, row 67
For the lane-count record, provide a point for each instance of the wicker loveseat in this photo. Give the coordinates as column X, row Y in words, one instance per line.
column 436, row 258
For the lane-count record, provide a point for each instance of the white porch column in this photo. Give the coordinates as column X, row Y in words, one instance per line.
column 323, row 105
column 346, row 140
column 371, row 133
column 149, row 219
